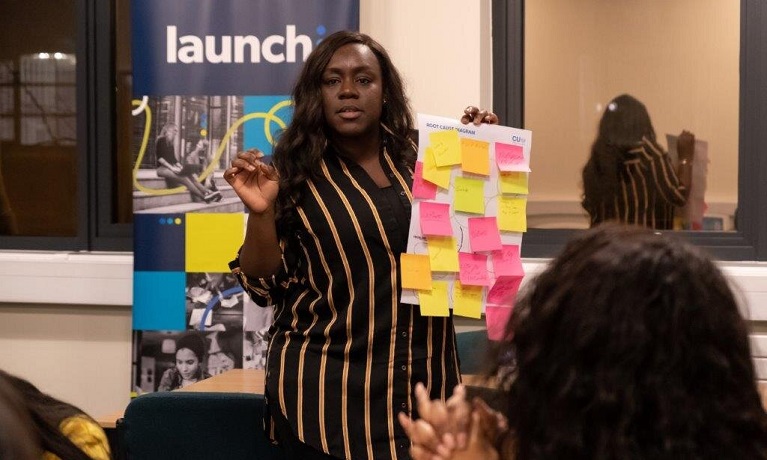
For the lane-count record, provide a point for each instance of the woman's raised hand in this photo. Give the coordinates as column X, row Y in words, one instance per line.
column 478, row 116
column 255, row 182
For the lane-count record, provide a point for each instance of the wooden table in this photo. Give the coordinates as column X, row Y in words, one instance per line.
column 252, row 381
column 233, row 381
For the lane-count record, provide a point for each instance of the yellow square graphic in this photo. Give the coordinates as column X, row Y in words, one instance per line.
column 212, row 240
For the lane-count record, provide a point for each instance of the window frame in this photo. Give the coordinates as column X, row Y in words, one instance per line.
column 95, row 115
column 749, row 242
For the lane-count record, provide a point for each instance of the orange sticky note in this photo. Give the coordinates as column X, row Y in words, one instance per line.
column 416, row 271
column 512, row 214
column 467, row 300
column 433, row 173
column 434, row 302
column 469, row 195
column 443, row 253
column 514, row 182
column 475, row 156
column 446, row 146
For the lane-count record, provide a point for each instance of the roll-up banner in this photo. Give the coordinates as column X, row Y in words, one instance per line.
column 210, row 78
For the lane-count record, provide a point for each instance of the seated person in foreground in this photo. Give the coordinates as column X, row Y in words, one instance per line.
column 65, row 431
column 629, row 177
column 630, row 345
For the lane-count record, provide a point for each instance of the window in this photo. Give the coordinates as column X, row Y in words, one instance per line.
column 64, row 185
column 749, row 240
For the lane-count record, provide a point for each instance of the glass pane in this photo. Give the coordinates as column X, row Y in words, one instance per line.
column 37, row 118
column 680, row 59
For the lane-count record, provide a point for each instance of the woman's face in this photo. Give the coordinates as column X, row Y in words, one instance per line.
column 352, row 91
column 187, row 363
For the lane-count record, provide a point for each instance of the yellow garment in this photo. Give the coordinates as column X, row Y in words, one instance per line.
column 85, row 434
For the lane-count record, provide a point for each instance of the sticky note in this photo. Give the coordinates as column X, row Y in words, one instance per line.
column 512, row 214
column 514, row 182
column 416, row 271
column 475, row 156
column 483, row 234
column 510, row 157
column 434, row 174
column 467, row 300
column 435, row 218
column 469, row 195
column 473, row 269
column 443, row 253
column 507, row 262
column 422, row 189
column 496, row 319
column 446, row 146
column 434, row 302
column 504, row 290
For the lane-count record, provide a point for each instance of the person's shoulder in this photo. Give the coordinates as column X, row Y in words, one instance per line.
column 86, row 434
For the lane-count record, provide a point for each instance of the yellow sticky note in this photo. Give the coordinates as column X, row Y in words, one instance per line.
column 512, row 214
column 446, row 146
column 443, row 253
column 514, row 182
column 475, row 156
column 416, row 271
column 434, row 174
column 434, row 302
column 469, row 195
column 467, row 300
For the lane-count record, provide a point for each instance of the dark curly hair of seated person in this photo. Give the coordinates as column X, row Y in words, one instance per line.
column 630, row 345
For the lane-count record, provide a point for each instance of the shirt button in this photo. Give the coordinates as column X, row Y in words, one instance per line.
column 403, row 405
column 391, row 174
column 404, row 367
column 402, row 193
column 404, row 334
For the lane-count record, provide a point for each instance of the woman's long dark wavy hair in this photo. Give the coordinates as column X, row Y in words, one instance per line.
column 299, row 148
column 630, row 345
column 47, row 413
column 623, row 125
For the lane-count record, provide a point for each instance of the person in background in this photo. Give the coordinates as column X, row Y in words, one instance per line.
column 190, row 352
column 629, row 177
column 65, row 432
column 18, row 437
column 327, row 223
column 170, row 168
column 630, row 345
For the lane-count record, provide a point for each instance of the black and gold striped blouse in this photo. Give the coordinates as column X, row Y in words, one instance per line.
column 648, row 193
column 344, row 353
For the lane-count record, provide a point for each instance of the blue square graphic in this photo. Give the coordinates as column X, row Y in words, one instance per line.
column 159, row 242
column 159, row 301
column 265, row 117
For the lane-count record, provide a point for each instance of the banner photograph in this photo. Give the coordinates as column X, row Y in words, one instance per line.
column 207, row 85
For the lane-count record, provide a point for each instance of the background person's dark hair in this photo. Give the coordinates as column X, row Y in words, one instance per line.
column 624, row 123
column 18, row 436
column 47, row 413
column 300, row 146
column 631, row 346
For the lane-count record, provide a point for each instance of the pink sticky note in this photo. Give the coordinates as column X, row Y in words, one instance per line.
column 435, row 218
column 422, row 189
column 510, row 157
column 506, row 262
column 483, row 234
column 504, row 290
column 473, row 269
column 496, row 319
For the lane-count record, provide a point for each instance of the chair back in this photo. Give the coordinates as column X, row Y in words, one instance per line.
column 196, row 425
